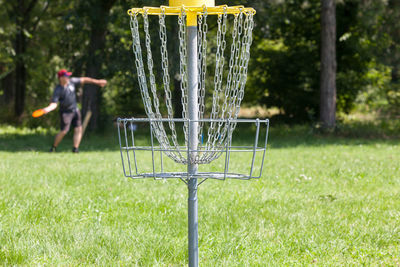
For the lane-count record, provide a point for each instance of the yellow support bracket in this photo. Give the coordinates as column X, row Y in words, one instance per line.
column 192, row 3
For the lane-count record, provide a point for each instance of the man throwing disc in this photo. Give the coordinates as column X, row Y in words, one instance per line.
column 70, row 115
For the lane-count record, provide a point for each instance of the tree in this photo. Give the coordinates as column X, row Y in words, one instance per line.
column 26, row 21
column 99, row 12
column 391, row 28
column 284, row 62
column 7, row 80
column 328, row 64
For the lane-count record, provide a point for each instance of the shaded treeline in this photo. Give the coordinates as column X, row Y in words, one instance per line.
column 93, row 38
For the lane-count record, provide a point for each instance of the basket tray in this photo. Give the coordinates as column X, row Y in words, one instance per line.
column 241, row 157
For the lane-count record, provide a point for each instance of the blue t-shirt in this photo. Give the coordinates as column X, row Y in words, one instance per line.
column 66, row 95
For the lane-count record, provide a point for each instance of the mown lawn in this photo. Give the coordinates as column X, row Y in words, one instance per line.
column 321, row 200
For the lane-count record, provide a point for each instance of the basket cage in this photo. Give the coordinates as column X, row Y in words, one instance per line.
column 242, row 157
column 212, row 74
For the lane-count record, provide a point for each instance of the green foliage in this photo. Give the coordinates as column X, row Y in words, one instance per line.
column 285, row 60
column 284, row 65
column 393, row 97
column 42, row 30
column 7, row 30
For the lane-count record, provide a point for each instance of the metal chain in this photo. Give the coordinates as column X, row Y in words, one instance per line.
column 183, row 69
column 202, row 68
column 152, row 79
column 219, row 134
column 139, row 63
column 219, row 67
column 226, row 97
column 233, row 92
column 166, row 82
column 156, row 126
column 237, row 71
column 247, row 40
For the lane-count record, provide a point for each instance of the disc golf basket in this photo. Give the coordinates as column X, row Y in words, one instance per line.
column 203, row 141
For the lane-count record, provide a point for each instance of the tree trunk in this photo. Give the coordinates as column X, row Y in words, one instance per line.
column 91, row 94
column 395, row 74
column 394, row 33
column 328, row 65
column 20, row 69
column 20, row 74
column 23, row 11
column 8, row 85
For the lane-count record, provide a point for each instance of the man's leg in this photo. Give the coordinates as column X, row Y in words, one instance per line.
column 77, row 124
column 65, row 122
column 59, row 137
column 77, row 136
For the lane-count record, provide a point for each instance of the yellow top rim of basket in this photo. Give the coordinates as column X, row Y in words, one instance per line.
column 216, row 10
column 191, row 11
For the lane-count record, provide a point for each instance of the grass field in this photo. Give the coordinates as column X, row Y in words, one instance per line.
column 322, row 200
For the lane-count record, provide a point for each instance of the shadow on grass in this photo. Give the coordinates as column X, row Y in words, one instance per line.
column 280, row 136
column 42, row 141
column 351, row 135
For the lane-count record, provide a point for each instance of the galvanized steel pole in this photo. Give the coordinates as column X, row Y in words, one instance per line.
column 193, row 143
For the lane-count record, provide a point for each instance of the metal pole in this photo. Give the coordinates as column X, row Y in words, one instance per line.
column 193, row 142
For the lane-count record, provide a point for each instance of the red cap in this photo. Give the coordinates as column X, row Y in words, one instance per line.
column 64, row 72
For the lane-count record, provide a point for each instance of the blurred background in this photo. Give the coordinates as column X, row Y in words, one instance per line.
column 92, row 38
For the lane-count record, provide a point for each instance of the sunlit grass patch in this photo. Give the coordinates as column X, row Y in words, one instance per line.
column 321, row 200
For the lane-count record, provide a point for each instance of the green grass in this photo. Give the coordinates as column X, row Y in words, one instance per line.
column 322, row 200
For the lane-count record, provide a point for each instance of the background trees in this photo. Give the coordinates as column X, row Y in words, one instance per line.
column 93, row 38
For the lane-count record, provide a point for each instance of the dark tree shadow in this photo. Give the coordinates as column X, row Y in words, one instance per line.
column 43, row 142
column 280, row 136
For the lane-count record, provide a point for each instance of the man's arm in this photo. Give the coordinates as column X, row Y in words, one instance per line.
column 100, row 83
column 50, row 107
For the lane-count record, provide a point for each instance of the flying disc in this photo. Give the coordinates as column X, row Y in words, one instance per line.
column 38, row 113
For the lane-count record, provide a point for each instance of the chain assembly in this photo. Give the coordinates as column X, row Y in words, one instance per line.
column 226, row 93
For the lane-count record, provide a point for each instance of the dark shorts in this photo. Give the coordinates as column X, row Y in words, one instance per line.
column 70, row 118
